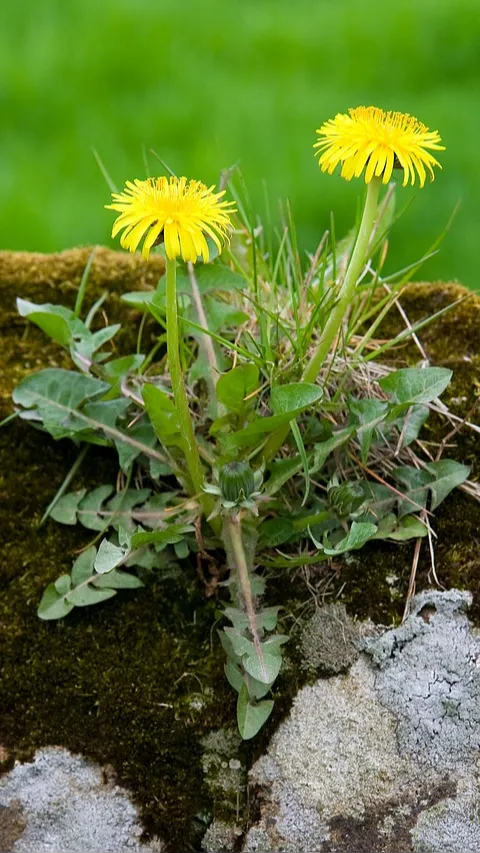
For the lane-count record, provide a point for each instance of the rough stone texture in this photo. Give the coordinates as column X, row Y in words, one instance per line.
column 330, row 640
column 220, row 837
column 430, row 678
column 384, row 758
column 452, row 824
column 64, row 804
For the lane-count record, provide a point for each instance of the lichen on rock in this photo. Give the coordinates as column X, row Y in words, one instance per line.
column 225, row 772
column 376, row 760
column 430, row 679
column 63, row 803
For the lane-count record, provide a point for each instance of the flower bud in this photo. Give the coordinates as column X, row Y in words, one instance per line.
column 237, row 482
column 346, row 498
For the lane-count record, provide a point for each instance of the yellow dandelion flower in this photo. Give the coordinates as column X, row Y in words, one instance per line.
column 377, row 141
column 175, row 211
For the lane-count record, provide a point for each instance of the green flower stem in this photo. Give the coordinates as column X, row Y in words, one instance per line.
column 347, row 289
column 335, row 319
column 192, row 457
column 233, row 530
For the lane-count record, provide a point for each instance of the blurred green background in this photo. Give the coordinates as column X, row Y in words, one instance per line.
column 210, row 83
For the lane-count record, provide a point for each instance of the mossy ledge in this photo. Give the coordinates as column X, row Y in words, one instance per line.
column 137, row 682
column 56, row 278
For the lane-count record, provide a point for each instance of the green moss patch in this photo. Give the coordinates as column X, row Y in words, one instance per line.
column 134, row 685
column 56, row 278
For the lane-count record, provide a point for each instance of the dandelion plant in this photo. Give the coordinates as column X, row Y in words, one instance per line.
column 270, row 435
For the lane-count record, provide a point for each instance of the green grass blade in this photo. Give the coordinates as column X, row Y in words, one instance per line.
column 64, row 486
column 8, row 419
column 83, row 283
column 104, row 172
column 165, row 165
column 303, row 455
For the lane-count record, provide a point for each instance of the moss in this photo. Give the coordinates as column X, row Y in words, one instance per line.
column 115, row 683
column 56, row 278
column 322, row 650
column 43, row 277
column 112, row 683
column 459, row 326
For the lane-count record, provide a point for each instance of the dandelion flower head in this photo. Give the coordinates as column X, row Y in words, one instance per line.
column 378, row 142
column 178, row 212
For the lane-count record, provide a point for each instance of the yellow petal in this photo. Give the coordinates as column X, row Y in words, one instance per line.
column 172, row 245
column 187, row 246
column 152, row 235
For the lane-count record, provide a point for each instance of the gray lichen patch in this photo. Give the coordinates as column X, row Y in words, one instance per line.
column 338, row 750
column 224, row 772
column 220, row 837
column 62, row 803
column 430, row 679
column 293, row 827
column 383, row 758
column 451, row 825
column 334, row 776
column 330, row 640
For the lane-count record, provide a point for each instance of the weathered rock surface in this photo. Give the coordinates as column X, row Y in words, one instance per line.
column 61, row 803
column 384, row 758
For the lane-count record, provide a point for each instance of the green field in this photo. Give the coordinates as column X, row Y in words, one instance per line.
column 207, row 84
